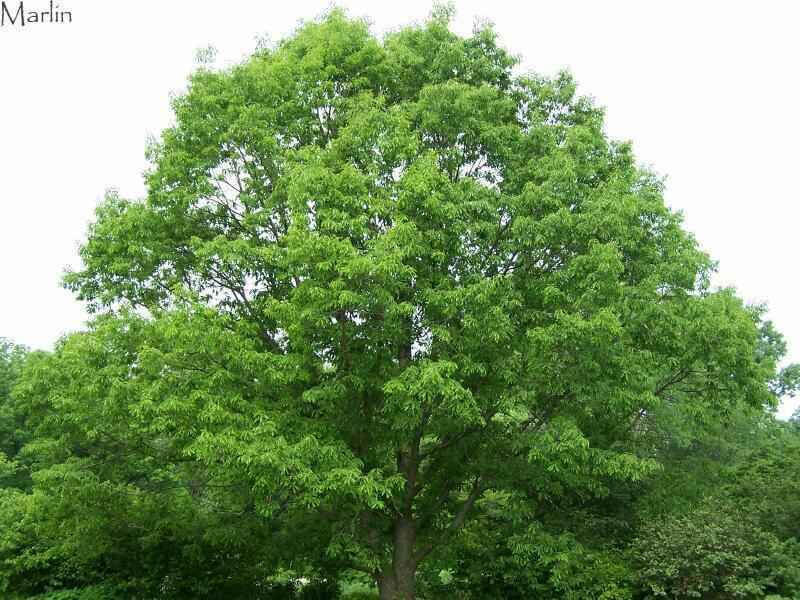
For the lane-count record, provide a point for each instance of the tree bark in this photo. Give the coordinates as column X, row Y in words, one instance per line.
column 398, row 580
column 387, row 587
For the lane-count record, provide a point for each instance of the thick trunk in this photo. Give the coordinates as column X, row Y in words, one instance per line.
column 392, row 586
column 387, row 587
column 397, row 581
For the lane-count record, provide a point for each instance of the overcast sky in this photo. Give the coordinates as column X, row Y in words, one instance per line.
column 707, row 92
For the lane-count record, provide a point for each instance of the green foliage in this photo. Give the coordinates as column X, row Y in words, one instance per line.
column 378, row 290
column 95, row 592
column 320, row 590
column 354, row 590
column 364, row 595
column 721, row 520
column 765, row 482
column 520, row 549
column 12, row 434
column 715, row 551
column 11, row 359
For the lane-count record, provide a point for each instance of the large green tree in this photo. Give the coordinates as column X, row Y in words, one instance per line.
column 374, row 281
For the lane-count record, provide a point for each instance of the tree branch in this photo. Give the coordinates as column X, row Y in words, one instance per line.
column 457, row 522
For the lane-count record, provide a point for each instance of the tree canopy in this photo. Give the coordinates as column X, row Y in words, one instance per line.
column 378, row 289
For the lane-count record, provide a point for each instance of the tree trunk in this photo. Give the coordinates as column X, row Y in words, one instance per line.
column 392, row 586
column 398, row 580
column 387, row 587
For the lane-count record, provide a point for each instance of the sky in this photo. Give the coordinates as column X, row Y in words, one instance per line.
column 706, row 91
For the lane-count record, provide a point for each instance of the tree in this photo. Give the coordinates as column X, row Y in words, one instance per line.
column 12, row 438
column 720, row 519
column 375, row 280
column 766, row 481
column 715, row 551
column 116, row 507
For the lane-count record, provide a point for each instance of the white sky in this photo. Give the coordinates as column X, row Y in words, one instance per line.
column 707, row 91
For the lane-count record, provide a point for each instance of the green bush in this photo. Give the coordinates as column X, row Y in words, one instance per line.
column 320, row 590
column 360, row 595
column 714, row 551
column 92, row 592
column 358, row 591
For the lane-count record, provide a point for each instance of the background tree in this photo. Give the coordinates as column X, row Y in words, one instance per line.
column 111, row 512
column 717, row 550
column 377, row 283
column 12, row 435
